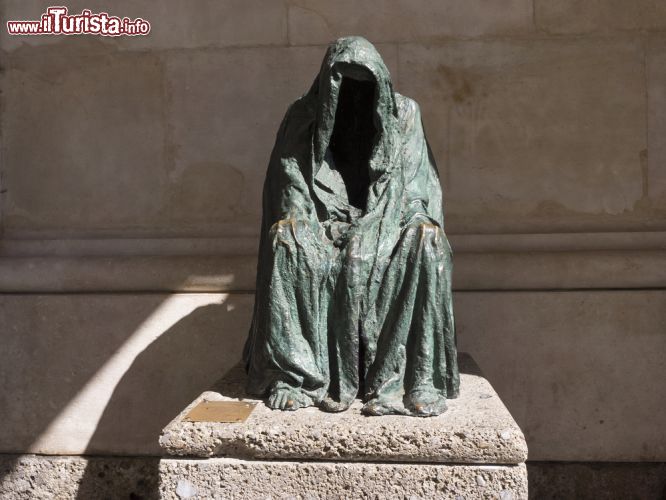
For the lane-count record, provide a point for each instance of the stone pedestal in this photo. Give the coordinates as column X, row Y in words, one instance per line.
column 474, row 450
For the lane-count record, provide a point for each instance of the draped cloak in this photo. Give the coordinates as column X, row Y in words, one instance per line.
column 353, row 298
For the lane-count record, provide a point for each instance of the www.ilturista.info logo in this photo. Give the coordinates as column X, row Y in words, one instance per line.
column 57, row 21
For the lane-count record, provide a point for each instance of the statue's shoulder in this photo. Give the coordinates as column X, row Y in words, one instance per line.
column 409, row 113
column 300, row 112
column 298, row 117
column 303, row 108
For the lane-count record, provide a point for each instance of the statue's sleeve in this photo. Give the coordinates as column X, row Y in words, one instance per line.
column 422, row 193
column 286, row 192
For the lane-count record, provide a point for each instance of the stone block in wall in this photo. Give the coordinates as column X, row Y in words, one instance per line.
column 656, row 92
column 601, row 16
column 319, row 21
column 83, row 139
column 581, row 372
column 540, row 135
column 597, row 481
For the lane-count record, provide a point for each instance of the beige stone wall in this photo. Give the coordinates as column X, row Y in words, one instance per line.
column 131, row 170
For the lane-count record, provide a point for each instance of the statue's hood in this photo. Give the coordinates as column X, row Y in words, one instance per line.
column 345, row 57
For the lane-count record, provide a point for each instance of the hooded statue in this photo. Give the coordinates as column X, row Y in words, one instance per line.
column 354, row 275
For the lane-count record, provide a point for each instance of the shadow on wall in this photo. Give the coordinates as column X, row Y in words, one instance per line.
column 56, row 363
column 183, row 362
column 105, row 374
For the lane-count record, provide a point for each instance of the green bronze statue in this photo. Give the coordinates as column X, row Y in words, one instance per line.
column 354, row 275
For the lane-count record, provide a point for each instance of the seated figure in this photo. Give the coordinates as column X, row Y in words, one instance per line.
column 354, row 275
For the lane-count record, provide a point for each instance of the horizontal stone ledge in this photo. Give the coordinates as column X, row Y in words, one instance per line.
column 40, row 244
column 207, row 273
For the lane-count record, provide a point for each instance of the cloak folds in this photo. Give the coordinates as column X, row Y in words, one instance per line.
column 354, row 274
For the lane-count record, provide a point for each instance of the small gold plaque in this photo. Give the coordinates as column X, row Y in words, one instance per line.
column 220, row 411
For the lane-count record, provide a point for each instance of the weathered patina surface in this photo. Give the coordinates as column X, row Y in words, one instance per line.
column 354, row 273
